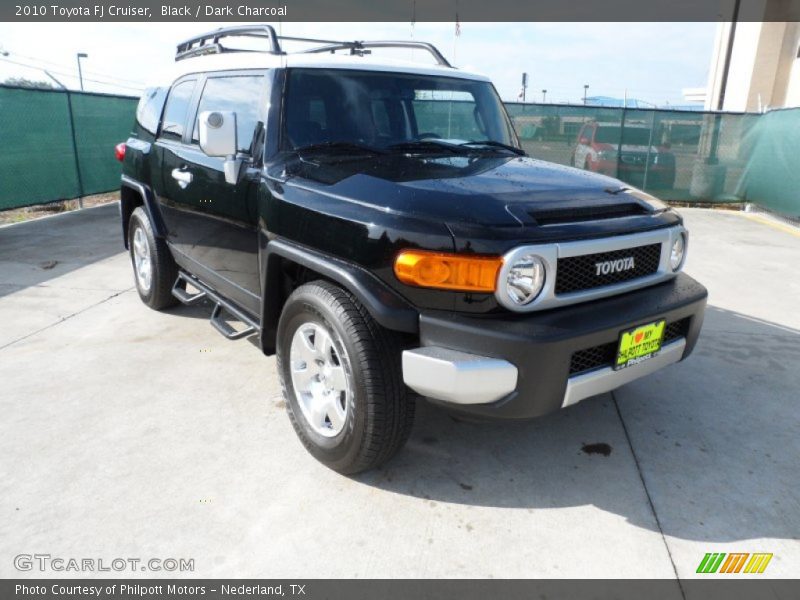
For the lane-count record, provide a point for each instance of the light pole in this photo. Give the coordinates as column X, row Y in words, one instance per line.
column 524, row 85
column 81, row 55
column 585, row 89
column 544, row 95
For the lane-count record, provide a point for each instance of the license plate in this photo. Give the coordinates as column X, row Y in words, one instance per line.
column 639, row 344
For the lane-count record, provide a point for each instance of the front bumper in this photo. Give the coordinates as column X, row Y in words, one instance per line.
column 522, row 366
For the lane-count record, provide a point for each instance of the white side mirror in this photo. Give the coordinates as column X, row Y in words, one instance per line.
column 218, row 138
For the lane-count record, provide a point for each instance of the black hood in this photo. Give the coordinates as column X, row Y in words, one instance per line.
column 498, row 191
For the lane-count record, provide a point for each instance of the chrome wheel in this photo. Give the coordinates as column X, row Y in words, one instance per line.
column 320, row 380
column 142, row 263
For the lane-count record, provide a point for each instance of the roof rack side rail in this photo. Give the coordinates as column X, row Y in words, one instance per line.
column 359, row 47
column 208, row 43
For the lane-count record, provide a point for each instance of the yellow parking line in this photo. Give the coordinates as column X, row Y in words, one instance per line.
column 775, row 225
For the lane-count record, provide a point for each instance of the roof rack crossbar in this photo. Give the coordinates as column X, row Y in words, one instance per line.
column 208, row 43
column 360, row 47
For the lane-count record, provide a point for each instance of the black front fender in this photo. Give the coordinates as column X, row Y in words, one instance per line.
column 387, row 307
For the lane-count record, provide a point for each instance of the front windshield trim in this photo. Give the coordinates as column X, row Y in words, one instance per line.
column 502, row 120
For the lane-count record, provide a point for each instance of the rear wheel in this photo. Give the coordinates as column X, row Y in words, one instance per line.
column 342, row 380
column 154, row 269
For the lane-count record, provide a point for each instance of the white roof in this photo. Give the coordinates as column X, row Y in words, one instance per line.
column 263, row 60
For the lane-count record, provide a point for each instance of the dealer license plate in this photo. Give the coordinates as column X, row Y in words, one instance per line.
column 639, row 344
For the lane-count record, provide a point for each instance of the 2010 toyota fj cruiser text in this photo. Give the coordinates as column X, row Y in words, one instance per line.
column 378, row 226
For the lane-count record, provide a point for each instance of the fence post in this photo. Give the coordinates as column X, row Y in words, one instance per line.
column 621, row 135
column 75, row 149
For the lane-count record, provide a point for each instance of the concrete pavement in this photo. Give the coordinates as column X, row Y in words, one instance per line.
column 131, row 433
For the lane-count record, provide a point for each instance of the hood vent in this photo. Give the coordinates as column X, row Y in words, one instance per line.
column 557, row 216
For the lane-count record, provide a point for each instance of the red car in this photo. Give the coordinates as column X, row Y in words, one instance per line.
column 632, row 156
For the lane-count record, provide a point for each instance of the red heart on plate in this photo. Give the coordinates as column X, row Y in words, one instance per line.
column 638, row 337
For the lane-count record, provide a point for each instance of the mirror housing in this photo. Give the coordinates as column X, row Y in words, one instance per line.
column 218, row 138
column 583, row 141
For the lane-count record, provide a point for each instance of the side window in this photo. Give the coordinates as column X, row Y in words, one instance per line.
column 241, row 94
column 148, row 112
column 175, row 113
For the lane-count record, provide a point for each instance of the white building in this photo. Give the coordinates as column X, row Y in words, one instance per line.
column 755, row 65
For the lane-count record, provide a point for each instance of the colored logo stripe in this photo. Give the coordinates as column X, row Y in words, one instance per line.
column 734, row 563
column 758, row 563
column 713, row 562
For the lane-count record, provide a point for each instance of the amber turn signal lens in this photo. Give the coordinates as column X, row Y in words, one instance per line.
column 446, row 271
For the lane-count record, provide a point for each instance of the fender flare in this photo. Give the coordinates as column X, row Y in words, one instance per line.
column 385, row 305
column 150, row 207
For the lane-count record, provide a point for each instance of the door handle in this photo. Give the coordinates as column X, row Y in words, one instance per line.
column 184, row 178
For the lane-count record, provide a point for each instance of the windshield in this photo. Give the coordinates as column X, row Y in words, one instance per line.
column 381, row 110
column 635, row 136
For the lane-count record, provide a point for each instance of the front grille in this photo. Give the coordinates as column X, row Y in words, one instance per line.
column 604, row 354
column 676, row 329
column 593, row 358
column 637, row 159
column 579, row 273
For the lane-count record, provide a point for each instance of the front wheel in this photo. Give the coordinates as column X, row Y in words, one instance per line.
column 342, row 379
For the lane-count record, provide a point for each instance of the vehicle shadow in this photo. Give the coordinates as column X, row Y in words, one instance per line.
column 35, row 252
column 714, row 438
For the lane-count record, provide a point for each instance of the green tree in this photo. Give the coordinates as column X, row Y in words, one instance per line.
column 28, row 83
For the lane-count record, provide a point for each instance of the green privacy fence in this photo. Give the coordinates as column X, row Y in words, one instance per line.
column 59, row 145
column 772, row 175
column 677, row 155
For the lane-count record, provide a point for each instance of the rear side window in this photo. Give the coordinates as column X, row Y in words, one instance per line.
column 175, row 113
column 242, row 94
column 148, row 112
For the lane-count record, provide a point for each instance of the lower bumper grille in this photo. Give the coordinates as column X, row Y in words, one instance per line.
column 589, row 271
column 603, row 355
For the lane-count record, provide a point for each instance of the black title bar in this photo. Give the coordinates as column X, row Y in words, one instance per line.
column 400, row 10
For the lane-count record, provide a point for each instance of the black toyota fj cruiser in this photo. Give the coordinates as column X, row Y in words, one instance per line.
column 378, row 226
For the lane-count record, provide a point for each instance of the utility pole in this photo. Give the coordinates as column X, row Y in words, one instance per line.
column 585, row 89
column 524, row 85
column 81, row 55
column 544, row 96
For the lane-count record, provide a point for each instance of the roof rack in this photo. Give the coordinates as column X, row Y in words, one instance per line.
column 361, row 48
column 209, row 43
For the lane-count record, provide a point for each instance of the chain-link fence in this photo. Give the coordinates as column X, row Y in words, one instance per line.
column 59, row 145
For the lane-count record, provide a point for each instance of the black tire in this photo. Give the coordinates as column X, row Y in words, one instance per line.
column 164, row 271
column 380, row 410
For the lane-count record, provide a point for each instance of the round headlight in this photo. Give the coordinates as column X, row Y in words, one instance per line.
column 677, row 252
column 525, row 279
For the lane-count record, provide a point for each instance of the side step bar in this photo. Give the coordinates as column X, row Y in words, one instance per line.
column 220, row 305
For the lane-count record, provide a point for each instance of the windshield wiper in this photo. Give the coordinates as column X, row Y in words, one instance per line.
column 425, row 146
column 351, row 147
column 493, row 144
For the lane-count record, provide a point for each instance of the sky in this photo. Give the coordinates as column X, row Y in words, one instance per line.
column 650, row 61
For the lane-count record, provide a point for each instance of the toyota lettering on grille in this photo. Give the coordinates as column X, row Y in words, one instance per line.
column 614, row 266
